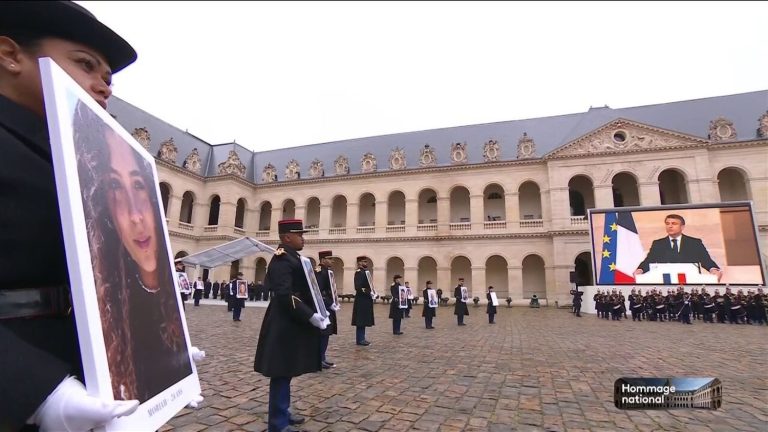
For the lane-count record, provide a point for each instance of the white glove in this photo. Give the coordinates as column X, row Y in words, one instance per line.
column 69, row 408
column 335, row 307
column 195, row 402
column 197, row 354
column 317, row 321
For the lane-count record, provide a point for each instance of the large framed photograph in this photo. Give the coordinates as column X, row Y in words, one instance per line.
column 374, row 294
column 134, row 340
column 464, row 294
column 332, row 278
column 403, row 294
column 317, row 297
column 494, row 299
column 432, row 298
column 184, row 287
column 713, row 244
column 409, row 293
column 242, row 289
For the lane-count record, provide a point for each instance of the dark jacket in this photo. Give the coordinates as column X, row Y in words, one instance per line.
column 692, row 250
column 288, row 344
column 362, row 309
column 460, row 308
column 38, row 353
column 324, row 282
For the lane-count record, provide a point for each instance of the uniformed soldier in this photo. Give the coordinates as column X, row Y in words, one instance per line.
column 289, row 339
column 323, row 276
column 460, row 308
column 362, row 309
column 395, row 312
column 428, row 312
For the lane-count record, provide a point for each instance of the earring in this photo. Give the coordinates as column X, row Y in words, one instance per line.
column 12, row 66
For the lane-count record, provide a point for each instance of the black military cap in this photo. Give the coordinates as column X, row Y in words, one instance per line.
column 324, row 254
column 286, row 226
column 66, row 20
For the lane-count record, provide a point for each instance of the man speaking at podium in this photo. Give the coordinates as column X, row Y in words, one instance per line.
column 677, row 247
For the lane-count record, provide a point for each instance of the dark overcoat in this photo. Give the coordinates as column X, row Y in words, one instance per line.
column 288, row 344
column 362, row 309
column 394, row 306
column 490, row 308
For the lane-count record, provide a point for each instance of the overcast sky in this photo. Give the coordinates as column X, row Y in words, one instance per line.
column 275, row 75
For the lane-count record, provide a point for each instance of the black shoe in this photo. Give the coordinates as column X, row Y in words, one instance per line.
column 398, row 333
column 462, row 324
column 331, row 364
column 364, row 343
column 295, row 419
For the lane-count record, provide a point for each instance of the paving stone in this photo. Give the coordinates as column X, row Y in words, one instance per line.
column 537, row 369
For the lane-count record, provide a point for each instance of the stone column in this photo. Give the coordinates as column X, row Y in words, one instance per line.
column 443, row 215
column 411, row 216
column 380, row 219
column 649, row 193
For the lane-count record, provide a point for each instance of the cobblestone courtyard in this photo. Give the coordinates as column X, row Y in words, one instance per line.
column 534, row 370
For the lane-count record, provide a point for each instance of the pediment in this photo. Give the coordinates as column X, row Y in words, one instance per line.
column 622, row 135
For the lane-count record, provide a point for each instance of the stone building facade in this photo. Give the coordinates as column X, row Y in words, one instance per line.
column 499, row 204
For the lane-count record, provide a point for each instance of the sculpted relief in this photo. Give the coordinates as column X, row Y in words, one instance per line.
column 459, row 153
column 232, row 165
column 721, row 129
column 368, row 163
column 526, row 148
column 192, row 162
column 293, row 171
column 491, row 151
column 269, row 174
column 142, row 136
column 397, row 159
column 341, row 165
column 168, row 151
column 762, row 129
column 316, row 168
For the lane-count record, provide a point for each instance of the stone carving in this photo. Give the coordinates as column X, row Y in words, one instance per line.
column 526, row 148
column 368, row 163
column 762, row 130
column 316, row 168
column 292, row 170
column 721, row 129
column 397, row 159
column 491, row 151
column 142, row 136
column 232, row 165
column 606, row 176
column 341, row 165
column 623, row 136
column 459, row 153
column 427, row 157
column 192, row 162
column 168, row 151
column 269, row 174
column 654, row 171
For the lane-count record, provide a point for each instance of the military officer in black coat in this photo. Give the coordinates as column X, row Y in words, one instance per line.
column 395, row 312
column 428, row 312
column 460, row 308
column 289, row 339
column 362, row 309
column 323, row 276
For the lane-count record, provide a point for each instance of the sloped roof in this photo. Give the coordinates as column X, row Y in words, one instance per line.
column 225, row 253
column 691, row 117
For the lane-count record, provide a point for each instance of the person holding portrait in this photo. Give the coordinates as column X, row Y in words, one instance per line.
column 289, row 338
column 677, row 247
column 362, row 309
column 429, row 310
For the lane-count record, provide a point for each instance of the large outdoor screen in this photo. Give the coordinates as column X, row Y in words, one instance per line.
column 676, row 244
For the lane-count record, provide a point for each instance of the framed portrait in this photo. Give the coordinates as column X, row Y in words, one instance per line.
column 242, row 289
column 184, row 287
column 124, row 282
column 464, row 294
column 317, row 297
column 409, row 293
column 332, row 278
column 494, row 298
column 374, row 294
column 403, row 294
column 432, row 298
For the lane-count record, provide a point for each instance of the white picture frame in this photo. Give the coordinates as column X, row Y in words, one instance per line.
column 374, row 294
column 494, row 299
column 332, row 279
column 241, row 289
column 314, row 287
column 402, row 297
column 409, row 293
column 80, row 192
column 432, row 299
column 183, row 281
column 464, row 294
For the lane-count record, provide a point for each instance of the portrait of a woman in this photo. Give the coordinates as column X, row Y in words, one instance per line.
column 142, row 327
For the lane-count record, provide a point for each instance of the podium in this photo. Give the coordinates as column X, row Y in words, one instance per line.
column 675, row 274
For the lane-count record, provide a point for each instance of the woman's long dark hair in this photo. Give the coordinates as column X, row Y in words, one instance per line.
column 115, row 272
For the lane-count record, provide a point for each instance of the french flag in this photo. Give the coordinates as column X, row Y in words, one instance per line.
column 621, row 251
column 674, row 278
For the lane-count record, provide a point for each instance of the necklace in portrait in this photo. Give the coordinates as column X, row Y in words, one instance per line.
column 151, row 291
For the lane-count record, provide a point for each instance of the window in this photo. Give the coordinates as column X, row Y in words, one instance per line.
column 432, row 199
column 494, row 196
